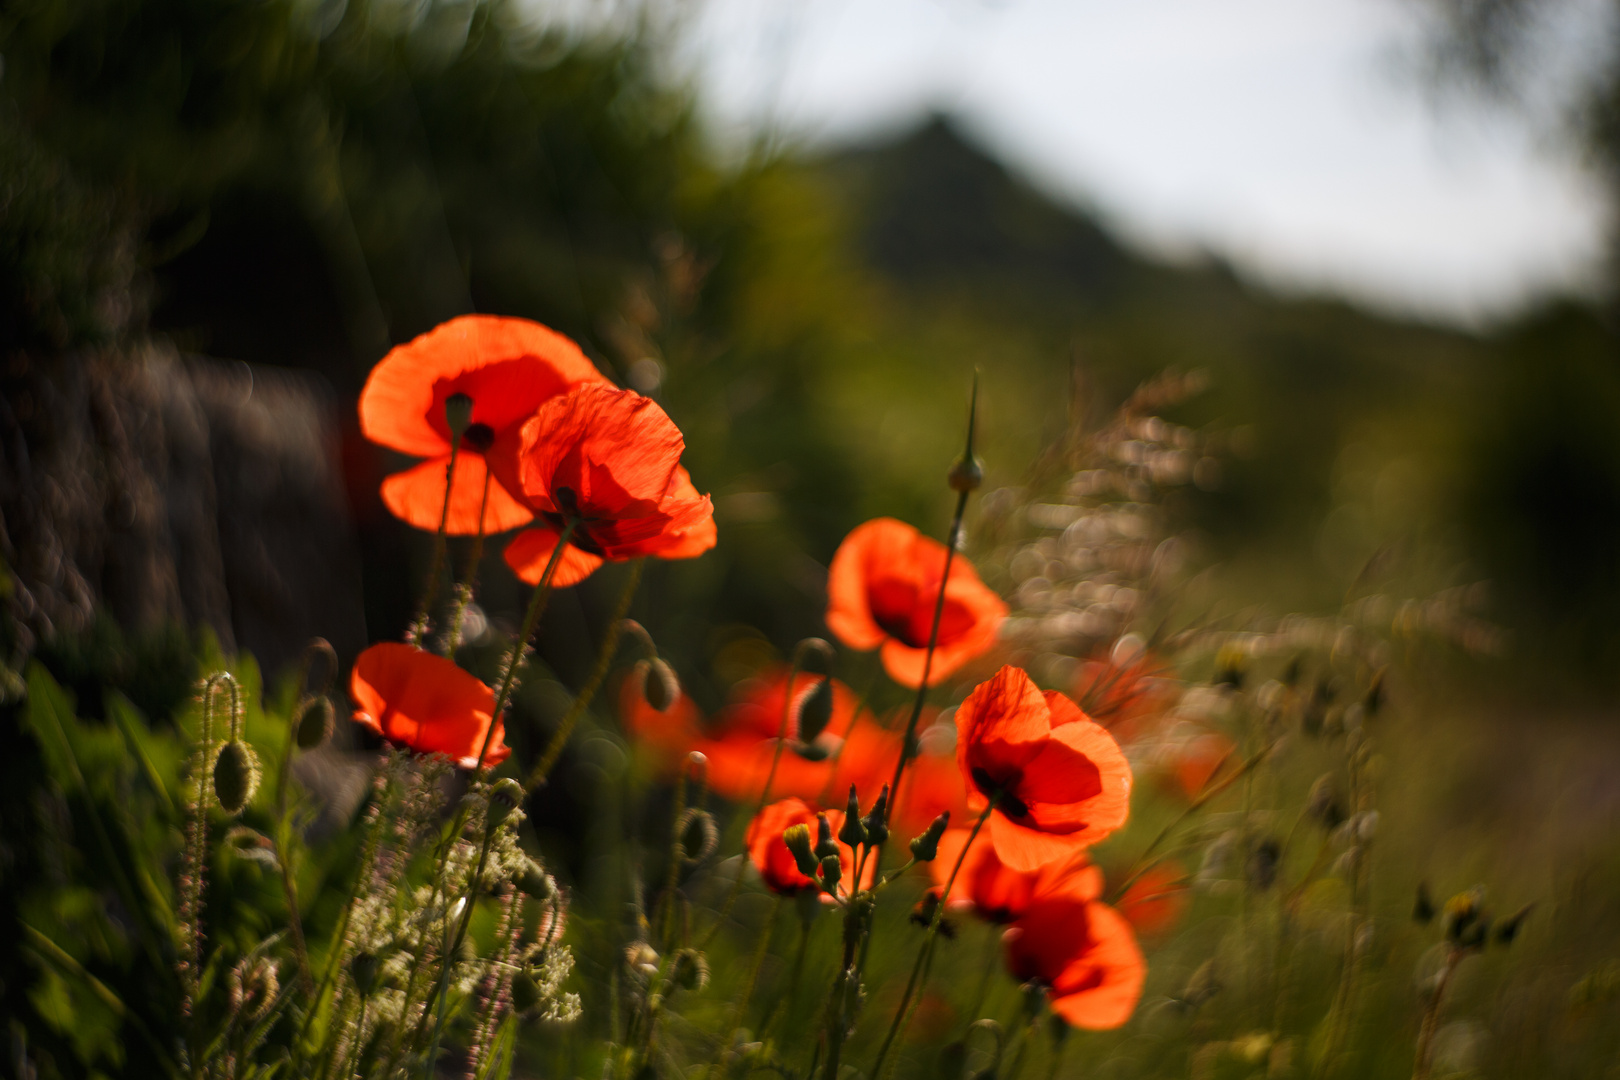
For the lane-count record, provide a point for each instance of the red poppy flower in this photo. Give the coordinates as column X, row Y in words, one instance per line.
column 850, row 750
column 882, row 589
column 610, row 460
column 1197, row 760
column 995, row 891
column 416, row 699
column 507, row 367
column 775, row 863
column 1061, row 779
column 1084, row 953
column 1156, row 901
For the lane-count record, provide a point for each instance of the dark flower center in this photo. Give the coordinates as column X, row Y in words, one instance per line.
column 479, row 437
column 1001, row 791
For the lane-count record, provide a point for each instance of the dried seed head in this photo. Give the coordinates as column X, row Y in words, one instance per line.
column 314, row 723
column 236, row 776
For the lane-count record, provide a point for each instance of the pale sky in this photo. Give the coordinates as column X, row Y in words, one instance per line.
column 1288, row 136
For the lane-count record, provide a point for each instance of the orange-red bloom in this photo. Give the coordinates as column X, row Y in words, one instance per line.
column 507, row 367
column 1156, row 901
column 1059, row 779
column 995, row 891
column 608, row 460
column 771, row 857
column 882, row 590
column 416, row 699
column 1126, row 694
column 1084, row 953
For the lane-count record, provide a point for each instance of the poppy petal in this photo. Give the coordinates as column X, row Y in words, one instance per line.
column 877, row 543
column 416, row 497
column 1001, row 725
column 1102, row 990
column 1028, row 850
column 530, row 551
column 608, row 447
column 423, row 701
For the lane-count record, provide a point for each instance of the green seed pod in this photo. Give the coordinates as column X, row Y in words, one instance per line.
column 852, row 832
column 797, row 839
column 505, row 797
column 458, row 410
column 236, row 776
column 363, row 970
column 314, row 723
column 815, row 711
column 535, row 882
column 925, row 847
column 658, row 683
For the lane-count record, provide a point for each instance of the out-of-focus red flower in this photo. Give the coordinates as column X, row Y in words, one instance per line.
column 995, row 891
column 1060, row 779
column 1156, row 901
column 1127, row 693
column 669, row 734
column 882, row 589
column 507, row 367
column 1199, row 759
column 850, row 750
column 1084, row 952
column 416, row 699
column 931, row 786
column 775, row 863
column 610, row 460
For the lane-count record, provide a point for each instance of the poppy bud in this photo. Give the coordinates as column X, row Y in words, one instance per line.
column 236, row 776
column 363, row 970
column 1323, row 805
column 926, row 846
column 831, row 872
column 797, row 839
column 1423, row 907
column 825, row 848
column 505, row 797
column 314, row 723
column 876, row 823
column 535, row 882
column 853, row 831
column 525, row 991
column 1261, row 865
column 699, row 835
column 816, row 710
column 1508, row 928
column 691, row 970
column 659, row 686
column 458, row 413
column 967, row 474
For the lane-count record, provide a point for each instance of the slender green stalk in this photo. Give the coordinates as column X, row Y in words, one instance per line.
column 430, row 588
column 469, row 576
column 582, row 700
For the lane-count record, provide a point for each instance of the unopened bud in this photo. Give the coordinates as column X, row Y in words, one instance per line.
column 236, row 776
column 797, row 839
column 1423, row 907
column 505, row 797
column 966, row 475
column 458, row 413
column 658, row 683
column 1323, row 805
column 1261, row 865
column 1465, row 921
column 525, row 991
column 690, row 970
column 363, row 970
column 852, row 832
column 1508, row 928
column 314, row 723
column 815, row 711
column 826, row 848
column 831, row 871
column 877, row 822
column 535, row 882
column 642, row 958
column 698, row 834
column 925, row 847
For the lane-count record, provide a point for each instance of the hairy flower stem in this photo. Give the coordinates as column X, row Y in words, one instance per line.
column 923, row 955
column 430, row 588
column 441, row 991
column 587, row 693
column 469, row 577
column 285, row 835
column 846, row 986
column 1431, row 1016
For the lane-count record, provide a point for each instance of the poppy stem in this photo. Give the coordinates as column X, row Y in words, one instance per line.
column 903, row 1013
column 464, row 587
column 582, row 700
column 908, row 745
column 430, row 588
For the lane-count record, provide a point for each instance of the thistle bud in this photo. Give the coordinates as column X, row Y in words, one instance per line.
column 659, row 686
column 690, row 970
column 458, row 413
column 535, row 882
column 852, row 832
column 314, row 723
column 505, row 797
column 797, row 839
column 925, row 847
column 236, row 776
column 877, row 822
column 831, row 871
column 966, row 475
column 363, row 968
column 815, row 712
column 825, row 847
